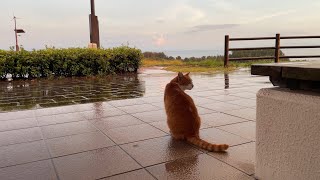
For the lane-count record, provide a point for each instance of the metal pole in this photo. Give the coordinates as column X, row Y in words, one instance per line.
column 226, row 51
column 92, row 8
column 16, row 34
column 277, row 51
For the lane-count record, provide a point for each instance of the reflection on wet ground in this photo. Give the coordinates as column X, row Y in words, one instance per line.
column 127, row 138
column 17, row 95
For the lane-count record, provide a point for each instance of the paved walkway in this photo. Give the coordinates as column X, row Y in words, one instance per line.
column 129, row 139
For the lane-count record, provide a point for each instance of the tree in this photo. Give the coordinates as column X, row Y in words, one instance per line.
column 155, row 55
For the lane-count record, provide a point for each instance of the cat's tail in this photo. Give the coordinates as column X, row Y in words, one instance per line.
column 207, row 146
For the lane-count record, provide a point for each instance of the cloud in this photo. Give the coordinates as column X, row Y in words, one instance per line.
column 186, row 13
column 160, row 20
column 269, row 16
column 159, row 39
column 222, row 5
column 210, row 27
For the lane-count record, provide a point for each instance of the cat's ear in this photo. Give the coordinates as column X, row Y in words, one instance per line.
column 180, row 75
column 188, row 74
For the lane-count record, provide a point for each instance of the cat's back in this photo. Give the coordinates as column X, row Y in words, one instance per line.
column 174, row 96
column 172, row 92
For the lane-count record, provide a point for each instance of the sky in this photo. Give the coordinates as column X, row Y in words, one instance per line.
column 157, row 25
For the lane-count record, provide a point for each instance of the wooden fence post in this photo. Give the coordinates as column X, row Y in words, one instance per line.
column 277, row 50
column 226, row 51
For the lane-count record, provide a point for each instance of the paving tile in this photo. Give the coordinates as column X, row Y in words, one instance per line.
column 116, row 122
column 59, row 118
column 46, row 112
column 162, row 125
column 64, row 109
column 92, row 106
column 222, row 106
column 94, row 164
column 127, row 102
column 244, row 102
column 133, row 133
column 78, row 143
column 151, row 94
column 202, row 110
column 207, row 93
column 158, row 104
column 102, row 113
column 17, row 115
column 202, row 100
column 152, row 116
column 245, row 129
column 138, row 108
column 154, row 99
column 225, row 98
column 244, row 95
column 23, row 153
column 40, row 170
column 18, row 124
column 66, row 129
column 202, row 167
column 218, row 136
column 20, row 136
column 159, row 150
column 138, row 174
column 247, row 113
column 242, row 157
column 219, row 119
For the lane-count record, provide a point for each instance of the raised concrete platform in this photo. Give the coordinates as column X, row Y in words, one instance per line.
column 287, row 135
column 293, row 75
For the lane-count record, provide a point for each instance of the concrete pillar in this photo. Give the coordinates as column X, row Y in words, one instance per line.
column 288, row 135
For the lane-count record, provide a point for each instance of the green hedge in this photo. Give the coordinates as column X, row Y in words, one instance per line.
column 68, row 62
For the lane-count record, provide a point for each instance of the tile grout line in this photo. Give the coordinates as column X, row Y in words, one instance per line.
column 48, row 150
column 236, row 134
column 245, row 120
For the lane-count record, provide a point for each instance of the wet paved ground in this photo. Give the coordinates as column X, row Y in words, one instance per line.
column 21, row 95
column 129, row 139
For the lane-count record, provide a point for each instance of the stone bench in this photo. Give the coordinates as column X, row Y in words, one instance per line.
column 288, row 122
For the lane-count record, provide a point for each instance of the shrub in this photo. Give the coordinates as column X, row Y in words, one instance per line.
column 69, row 62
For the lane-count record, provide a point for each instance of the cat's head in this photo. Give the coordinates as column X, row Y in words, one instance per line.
column 184, row 81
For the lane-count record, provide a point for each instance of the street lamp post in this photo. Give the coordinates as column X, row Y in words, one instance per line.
column 94, row 26
column 16, row 32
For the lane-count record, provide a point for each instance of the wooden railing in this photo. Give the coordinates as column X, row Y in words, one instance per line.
column 277, row 48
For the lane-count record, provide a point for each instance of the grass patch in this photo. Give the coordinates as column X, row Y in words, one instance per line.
column 197, row 69
column 161, row 62
column 207, row 65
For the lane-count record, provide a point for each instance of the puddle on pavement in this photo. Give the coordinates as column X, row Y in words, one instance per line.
column 18, row 95
column 43, row 93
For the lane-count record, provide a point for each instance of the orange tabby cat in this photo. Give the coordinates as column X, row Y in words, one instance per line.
column 182, row 115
